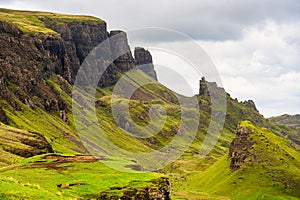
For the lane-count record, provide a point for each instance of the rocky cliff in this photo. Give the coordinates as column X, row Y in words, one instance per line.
column 143, row 59
column 29, row 60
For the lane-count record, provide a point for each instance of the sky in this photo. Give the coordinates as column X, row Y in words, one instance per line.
column 254, row 45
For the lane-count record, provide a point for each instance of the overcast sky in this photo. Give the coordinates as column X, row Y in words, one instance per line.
column 255, row 45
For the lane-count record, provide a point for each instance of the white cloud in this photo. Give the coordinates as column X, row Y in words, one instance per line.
column 263, row 65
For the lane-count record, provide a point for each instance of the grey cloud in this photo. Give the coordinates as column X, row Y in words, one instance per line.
column 204, row 20
column 214, row 21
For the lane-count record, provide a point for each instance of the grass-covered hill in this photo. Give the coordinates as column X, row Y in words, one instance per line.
column 32, row 22
column 289, row 120
column 260, row 165
column 42, row 156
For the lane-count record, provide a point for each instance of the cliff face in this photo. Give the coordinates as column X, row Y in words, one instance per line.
column 143, row 59
column 30, row 60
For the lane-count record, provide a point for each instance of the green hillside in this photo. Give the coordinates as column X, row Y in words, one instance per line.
column 68, row 177
column 42, row 156
column 289, row 120
column 271, row 171
column 293, row 122
column 32, row 22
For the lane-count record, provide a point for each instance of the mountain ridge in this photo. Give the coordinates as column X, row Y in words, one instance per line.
column 36, row 76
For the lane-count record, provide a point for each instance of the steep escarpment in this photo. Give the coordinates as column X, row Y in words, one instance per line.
column 27, row 62
column 143, row 59
column 30, row 60
column 39, row 60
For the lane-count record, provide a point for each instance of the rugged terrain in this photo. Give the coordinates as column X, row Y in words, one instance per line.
column 291, row 121
column 42, row 155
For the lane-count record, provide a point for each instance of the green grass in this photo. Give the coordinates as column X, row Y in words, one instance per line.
column 15, row 144
column 192, row 177
column 31, row 22
column 36, row 180
column 274, row 175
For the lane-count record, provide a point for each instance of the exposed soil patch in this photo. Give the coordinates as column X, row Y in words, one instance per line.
column 57, row 160
column 65, row 159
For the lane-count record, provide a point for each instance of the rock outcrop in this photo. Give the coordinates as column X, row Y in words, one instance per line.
column 160, row 190
column 7, row 28
column 118, row 45
column 239, row 148
column 143, row 60
column 31, row 61
column 250, row 104
column 207, row 87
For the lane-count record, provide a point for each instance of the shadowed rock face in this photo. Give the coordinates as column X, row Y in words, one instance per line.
column 143, row 60
column 239, row 148
column 29, row 60
column 118, row 45
column 6, row 28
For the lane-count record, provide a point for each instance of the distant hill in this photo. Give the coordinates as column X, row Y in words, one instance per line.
column 293, row 122
column 289, row 120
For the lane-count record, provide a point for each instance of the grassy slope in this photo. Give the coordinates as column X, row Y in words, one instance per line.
column 19, row 181
column 29, row 21
column 38, row 178
column 275, row 174
column 185, row 172
column 6, row 138
column 289, row 120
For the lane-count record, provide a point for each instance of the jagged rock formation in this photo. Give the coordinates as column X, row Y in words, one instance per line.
column 143, row 59
column 203, row 89
column 29, row 61
column 250, row 104
column 239, row 148
column 120, row 44
column 207, row 87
